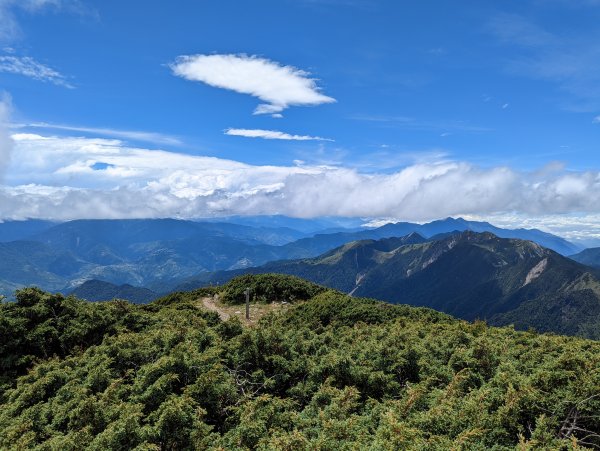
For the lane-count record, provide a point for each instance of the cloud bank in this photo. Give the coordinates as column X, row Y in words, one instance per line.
column 278, row 86
column 69, row 178
column 271, row 134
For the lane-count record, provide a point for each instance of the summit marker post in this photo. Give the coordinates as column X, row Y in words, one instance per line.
column 247, row 293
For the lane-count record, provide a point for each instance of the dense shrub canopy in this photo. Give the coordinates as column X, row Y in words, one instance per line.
column 269, row 288
column 332, row 373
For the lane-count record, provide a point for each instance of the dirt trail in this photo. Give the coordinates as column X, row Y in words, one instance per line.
column 257, row 310
column 209, row 304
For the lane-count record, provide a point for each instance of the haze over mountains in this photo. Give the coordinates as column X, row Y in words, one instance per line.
column 159, row 254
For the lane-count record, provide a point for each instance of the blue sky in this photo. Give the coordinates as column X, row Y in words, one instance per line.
column 386, row 107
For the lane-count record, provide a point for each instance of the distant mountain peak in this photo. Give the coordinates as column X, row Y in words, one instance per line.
column 451, row 220
column 414, row 235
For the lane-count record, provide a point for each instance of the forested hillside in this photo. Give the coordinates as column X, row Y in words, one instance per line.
column 333, row 372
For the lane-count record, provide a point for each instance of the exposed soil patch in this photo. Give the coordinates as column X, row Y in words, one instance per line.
column 257, row 310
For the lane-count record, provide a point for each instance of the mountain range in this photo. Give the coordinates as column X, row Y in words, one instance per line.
column 467, row 274
column 159, row 254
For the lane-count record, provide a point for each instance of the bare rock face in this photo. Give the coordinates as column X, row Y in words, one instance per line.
column 536, row 271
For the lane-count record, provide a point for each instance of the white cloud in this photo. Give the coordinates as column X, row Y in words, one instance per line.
column 271, row 134
column 278, row 86
column 50, row 160
column 596, row 120
column 67, row 178
column 133, row 135
column 6, row 142
column 27, row 66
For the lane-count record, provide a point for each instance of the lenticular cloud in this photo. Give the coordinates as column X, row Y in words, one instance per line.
column 278, row 86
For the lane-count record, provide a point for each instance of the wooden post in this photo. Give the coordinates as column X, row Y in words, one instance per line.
column 247, row 293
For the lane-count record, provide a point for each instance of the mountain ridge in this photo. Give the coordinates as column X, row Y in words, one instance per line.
column 470, row 275
column 97, row 290
column 162, row 253
column 590, row 257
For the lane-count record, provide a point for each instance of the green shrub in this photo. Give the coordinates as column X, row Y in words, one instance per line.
column 334, row 372
column 269, row 288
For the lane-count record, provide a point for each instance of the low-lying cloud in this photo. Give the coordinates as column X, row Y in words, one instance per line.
column 278, row 86
column 69, row 178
